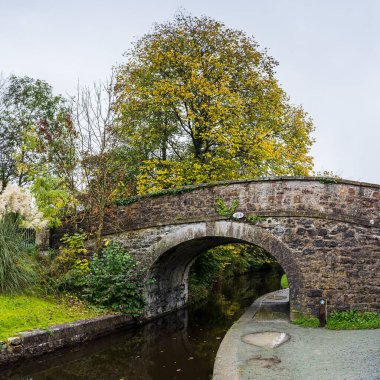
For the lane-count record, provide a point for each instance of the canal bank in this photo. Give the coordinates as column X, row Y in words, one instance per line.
column 37, row 342
column 179, row 346
column 247, row 352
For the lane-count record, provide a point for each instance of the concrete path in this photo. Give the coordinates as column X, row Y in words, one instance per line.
column 308, row 354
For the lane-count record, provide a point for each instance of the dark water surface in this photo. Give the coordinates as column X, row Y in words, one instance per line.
column 181, row 345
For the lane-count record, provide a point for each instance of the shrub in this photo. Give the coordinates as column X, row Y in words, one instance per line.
column 71, row 249
column 66, row 269
column 17, row 264
column 75, row 279
column 116, row 281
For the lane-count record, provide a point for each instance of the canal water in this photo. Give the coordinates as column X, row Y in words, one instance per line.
column 181, row 345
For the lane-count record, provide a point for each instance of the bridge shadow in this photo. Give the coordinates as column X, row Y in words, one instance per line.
column 170, row 290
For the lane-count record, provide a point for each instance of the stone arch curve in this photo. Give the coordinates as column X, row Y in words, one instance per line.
column 176, row 251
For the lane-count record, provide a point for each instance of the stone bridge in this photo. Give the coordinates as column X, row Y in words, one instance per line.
column 325, row 234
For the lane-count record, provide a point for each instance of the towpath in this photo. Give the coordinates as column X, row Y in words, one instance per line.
column 309, row 353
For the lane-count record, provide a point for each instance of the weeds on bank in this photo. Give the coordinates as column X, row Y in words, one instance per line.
column 347, row 320
column 344, row 320
column 307, row 321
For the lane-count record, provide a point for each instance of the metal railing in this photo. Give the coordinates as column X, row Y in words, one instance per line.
column 29, row 237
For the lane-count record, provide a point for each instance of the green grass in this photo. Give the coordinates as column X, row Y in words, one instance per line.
column 307, row 321
column 344, row 320
column 21, row 312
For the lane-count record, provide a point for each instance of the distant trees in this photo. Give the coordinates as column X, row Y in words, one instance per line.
column 63, row 149
column 199, row 102
column 195, row 102
column 25, row 105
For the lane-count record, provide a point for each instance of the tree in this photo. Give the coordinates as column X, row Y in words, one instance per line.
column 83, row 153
column 199, row 102
column 25, row 104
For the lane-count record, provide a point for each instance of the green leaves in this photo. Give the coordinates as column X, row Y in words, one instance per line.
column 52, row 198
column 116, row 281
column 223, row 210
column 254, row 219
column 284, row 282
column 27, row 107
column 222, row 262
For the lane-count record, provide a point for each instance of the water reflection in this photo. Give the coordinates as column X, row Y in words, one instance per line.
column 181, row 345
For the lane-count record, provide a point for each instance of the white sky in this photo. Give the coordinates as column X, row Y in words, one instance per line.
column 329, row 54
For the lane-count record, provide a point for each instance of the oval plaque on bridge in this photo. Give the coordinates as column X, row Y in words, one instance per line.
column 238, row 215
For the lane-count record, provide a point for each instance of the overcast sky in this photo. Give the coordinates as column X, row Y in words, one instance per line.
column 328, row 50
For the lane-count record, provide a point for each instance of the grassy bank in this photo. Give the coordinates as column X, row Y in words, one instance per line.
column 21, row 312
column 344, row 320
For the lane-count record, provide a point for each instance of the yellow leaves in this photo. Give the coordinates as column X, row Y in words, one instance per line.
column 207, row 97
column 232, row 308
column 82, row 264
column 158, row 175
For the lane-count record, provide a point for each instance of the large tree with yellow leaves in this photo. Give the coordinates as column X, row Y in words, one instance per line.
column 199, row 102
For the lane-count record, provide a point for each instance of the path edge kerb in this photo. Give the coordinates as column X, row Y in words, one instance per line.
column 226, row 360
column 32, row 343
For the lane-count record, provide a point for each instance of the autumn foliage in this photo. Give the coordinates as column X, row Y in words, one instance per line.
column 199, row 102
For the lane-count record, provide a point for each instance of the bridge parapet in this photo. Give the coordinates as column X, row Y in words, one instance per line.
column 339, row 200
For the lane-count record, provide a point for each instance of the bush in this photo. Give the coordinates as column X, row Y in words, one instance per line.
column 17, row 267
column 69, row 268
column 75, row 279
column 71, row 249
column 116, row 281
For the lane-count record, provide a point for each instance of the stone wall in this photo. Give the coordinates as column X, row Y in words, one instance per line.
column 34, row 343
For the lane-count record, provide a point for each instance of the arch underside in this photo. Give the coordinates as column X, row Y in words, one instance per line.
column 177, row 251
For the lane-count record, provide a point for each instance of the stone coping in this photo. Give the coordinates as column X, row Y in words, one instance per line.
column 32, row 343
column 321, row 179
column 325, row 180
